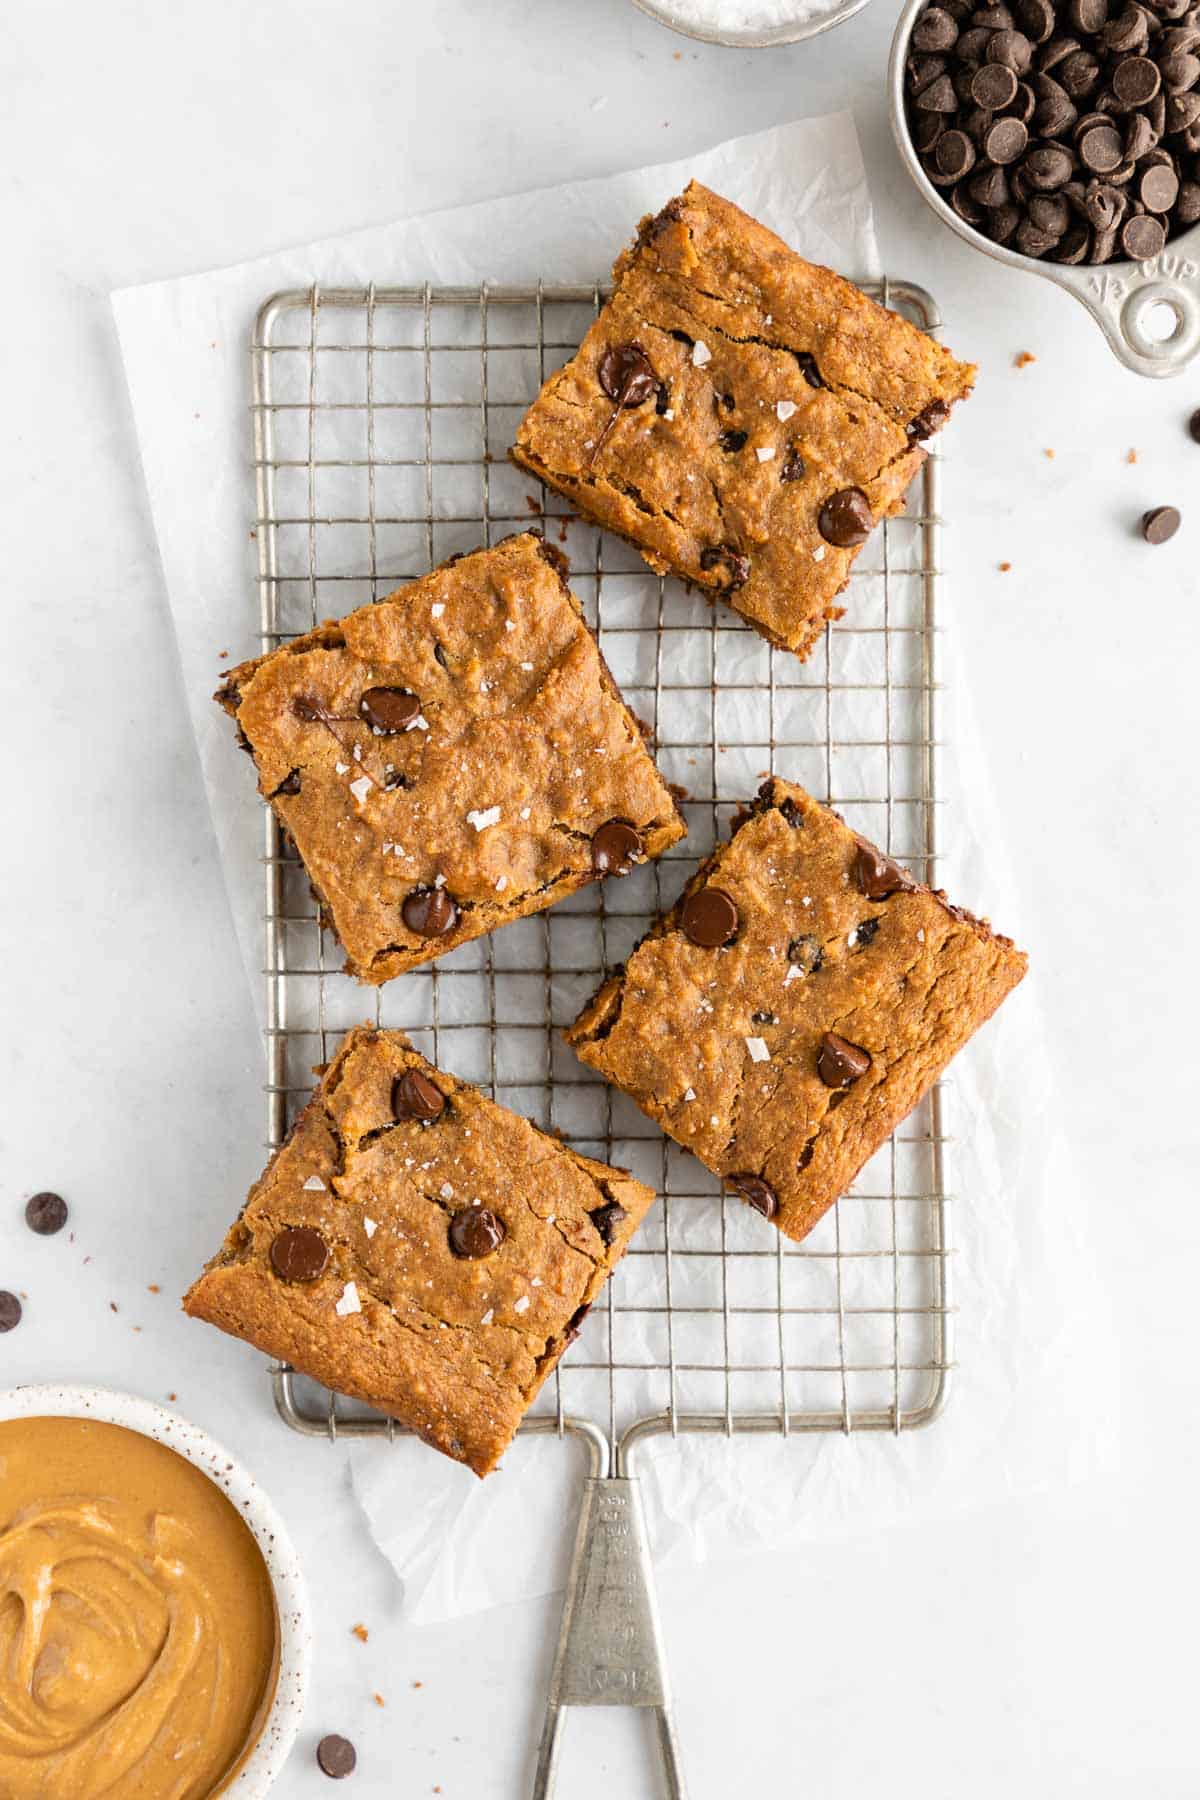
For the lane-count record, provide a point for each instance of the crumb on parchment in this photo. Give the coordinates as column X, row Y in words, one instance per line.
column 1023, row 358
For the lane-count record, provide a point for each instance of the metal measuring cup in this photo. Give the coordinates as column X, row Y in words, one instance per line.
column 1149, row 312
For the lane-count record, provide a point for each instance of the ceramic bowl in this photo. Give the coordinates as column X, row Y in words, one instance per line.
column 1149, row 312
column 262, row 1767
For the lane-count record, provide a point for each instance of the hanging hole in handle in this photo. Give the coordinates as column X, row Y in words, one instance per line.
column 1161, row 321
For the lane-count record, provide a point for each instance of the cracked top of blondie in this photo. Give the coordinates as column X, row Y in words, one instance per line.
column 743, row 416
column 794, row 1005
column 452, row 757
column 418, row 1247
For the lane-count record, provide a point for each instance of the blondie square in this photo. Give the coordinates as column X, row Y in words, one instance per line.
column 419, row 1247
column 451, row 758
column 742, row 416
column 794, row 1006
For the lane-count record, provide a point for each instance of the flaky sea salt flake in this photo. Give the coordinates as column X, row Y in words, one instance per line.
column 361, row 788
column 481, row 819
column 765, row 452
column 758, row 1049
column 314, row 1185
column 701, row 353
column 784, row 409
column 349, row 1302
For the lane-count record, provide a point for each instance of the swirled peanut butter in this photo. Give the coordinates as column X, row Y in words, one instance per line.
column 138, row 1633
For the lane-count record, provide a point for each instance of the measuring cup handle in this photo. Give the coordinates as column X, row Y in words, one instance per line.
column 1133, row 302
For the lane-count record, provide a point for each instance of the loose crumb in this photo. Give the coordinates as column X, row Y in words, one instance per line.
column 154, row 1288
column 378, row 1699
column 172, row 1396
column 1049, row 453
column 360, row 1632
column 1132, row 457
column 1004, row 567
column 1023, row 359
column 535, row 506
column 418, row 1684
column 113, row 1307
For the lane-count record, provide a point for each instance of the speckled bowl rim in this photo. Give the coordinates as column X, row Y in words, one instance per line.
column 263, row 1766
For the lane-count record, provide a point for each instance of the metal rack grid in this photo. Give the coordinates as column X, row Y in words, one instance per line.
column 382, row 417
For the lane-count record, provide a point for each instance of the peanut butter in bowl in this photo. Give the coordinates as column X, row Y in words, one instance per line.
column 139, row 1634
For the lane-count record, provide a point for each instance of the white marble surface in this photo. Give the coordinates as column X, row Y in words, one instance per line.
column 1042, row 1646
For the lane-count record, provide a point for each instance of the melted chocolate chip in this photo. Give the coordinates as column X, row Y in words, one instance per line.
column 430, row 912
column 475, row 1232
column 763, row 1018
column 756, row 1193
column 809, row 369
column 574, row 1325
column 839, row 1062
column 615, row 846
column 626, row 375
column 606, row 1218
column 806, row 953
column 865, row 931
column 930, row 419
column 791, row 813
column 414, row 1096
column 306, row 708
column 709, row 918
column 10, row 1310
column 733, row 441
column 289, row 785
column 336, row 1757
column 846, row 519
column 46, row 1213
column 793, row 465
column 728, row 557
column 877, row 875
column 389, row 710
column 299, row 1254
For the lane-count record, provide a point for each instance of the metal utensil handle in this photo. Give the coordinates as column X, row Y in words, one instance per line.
column 609, row 1644
column 1125, row 298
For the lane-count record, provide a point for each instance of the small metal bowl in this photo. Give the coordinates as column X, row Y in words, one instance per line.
column 750, row 40
column 1131, row 302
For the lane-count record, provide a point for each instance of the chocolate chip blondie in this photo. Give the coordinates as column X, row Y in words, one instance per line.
column 451, row 758
column 419, row 1247
column 794, row 1006
column 742, row 416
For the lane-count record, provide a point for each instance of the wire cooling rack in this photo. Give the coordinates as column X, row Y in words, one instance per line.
column 382, row 417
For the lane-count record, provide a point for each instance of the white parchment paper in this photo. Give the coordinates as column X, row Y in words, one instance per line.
column 1026, row 1410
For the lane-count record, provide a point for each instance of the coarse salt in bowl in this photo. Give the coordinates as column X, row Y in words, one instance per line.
column 750, row 24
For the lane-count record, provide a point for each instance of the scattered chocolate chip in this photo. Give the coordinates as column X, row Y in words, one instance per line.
column 389, row 709
column 732, row 441
column 709, row 918
column 840, row 1063
column 475, row 1232
column 1160, row 524
column 336, row 1757
column 806, row 953
column 809, row 369
column 299, row 1253
column 792, row 467
column 10, row 1310
column 1194, row 426
column 606, row 1218
column 846, row 518
column 430, row 912
column 615, row 846
column 46, row 1213
column 756, row 1193
column 626, row 375
column 414, row 1096
column 728, row 557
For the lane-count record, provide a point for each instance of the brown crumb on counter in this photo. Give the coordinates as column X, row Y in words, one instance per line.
column 172, row 1396
column 378, row 1699
column 153, row 1288
column 1132, row 457
column 1023, row 358
column 534, row 505
column 113, row 1307
column 1049, row 453
column 360, row 1632
column 418, row 1684
column 1004, row 567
